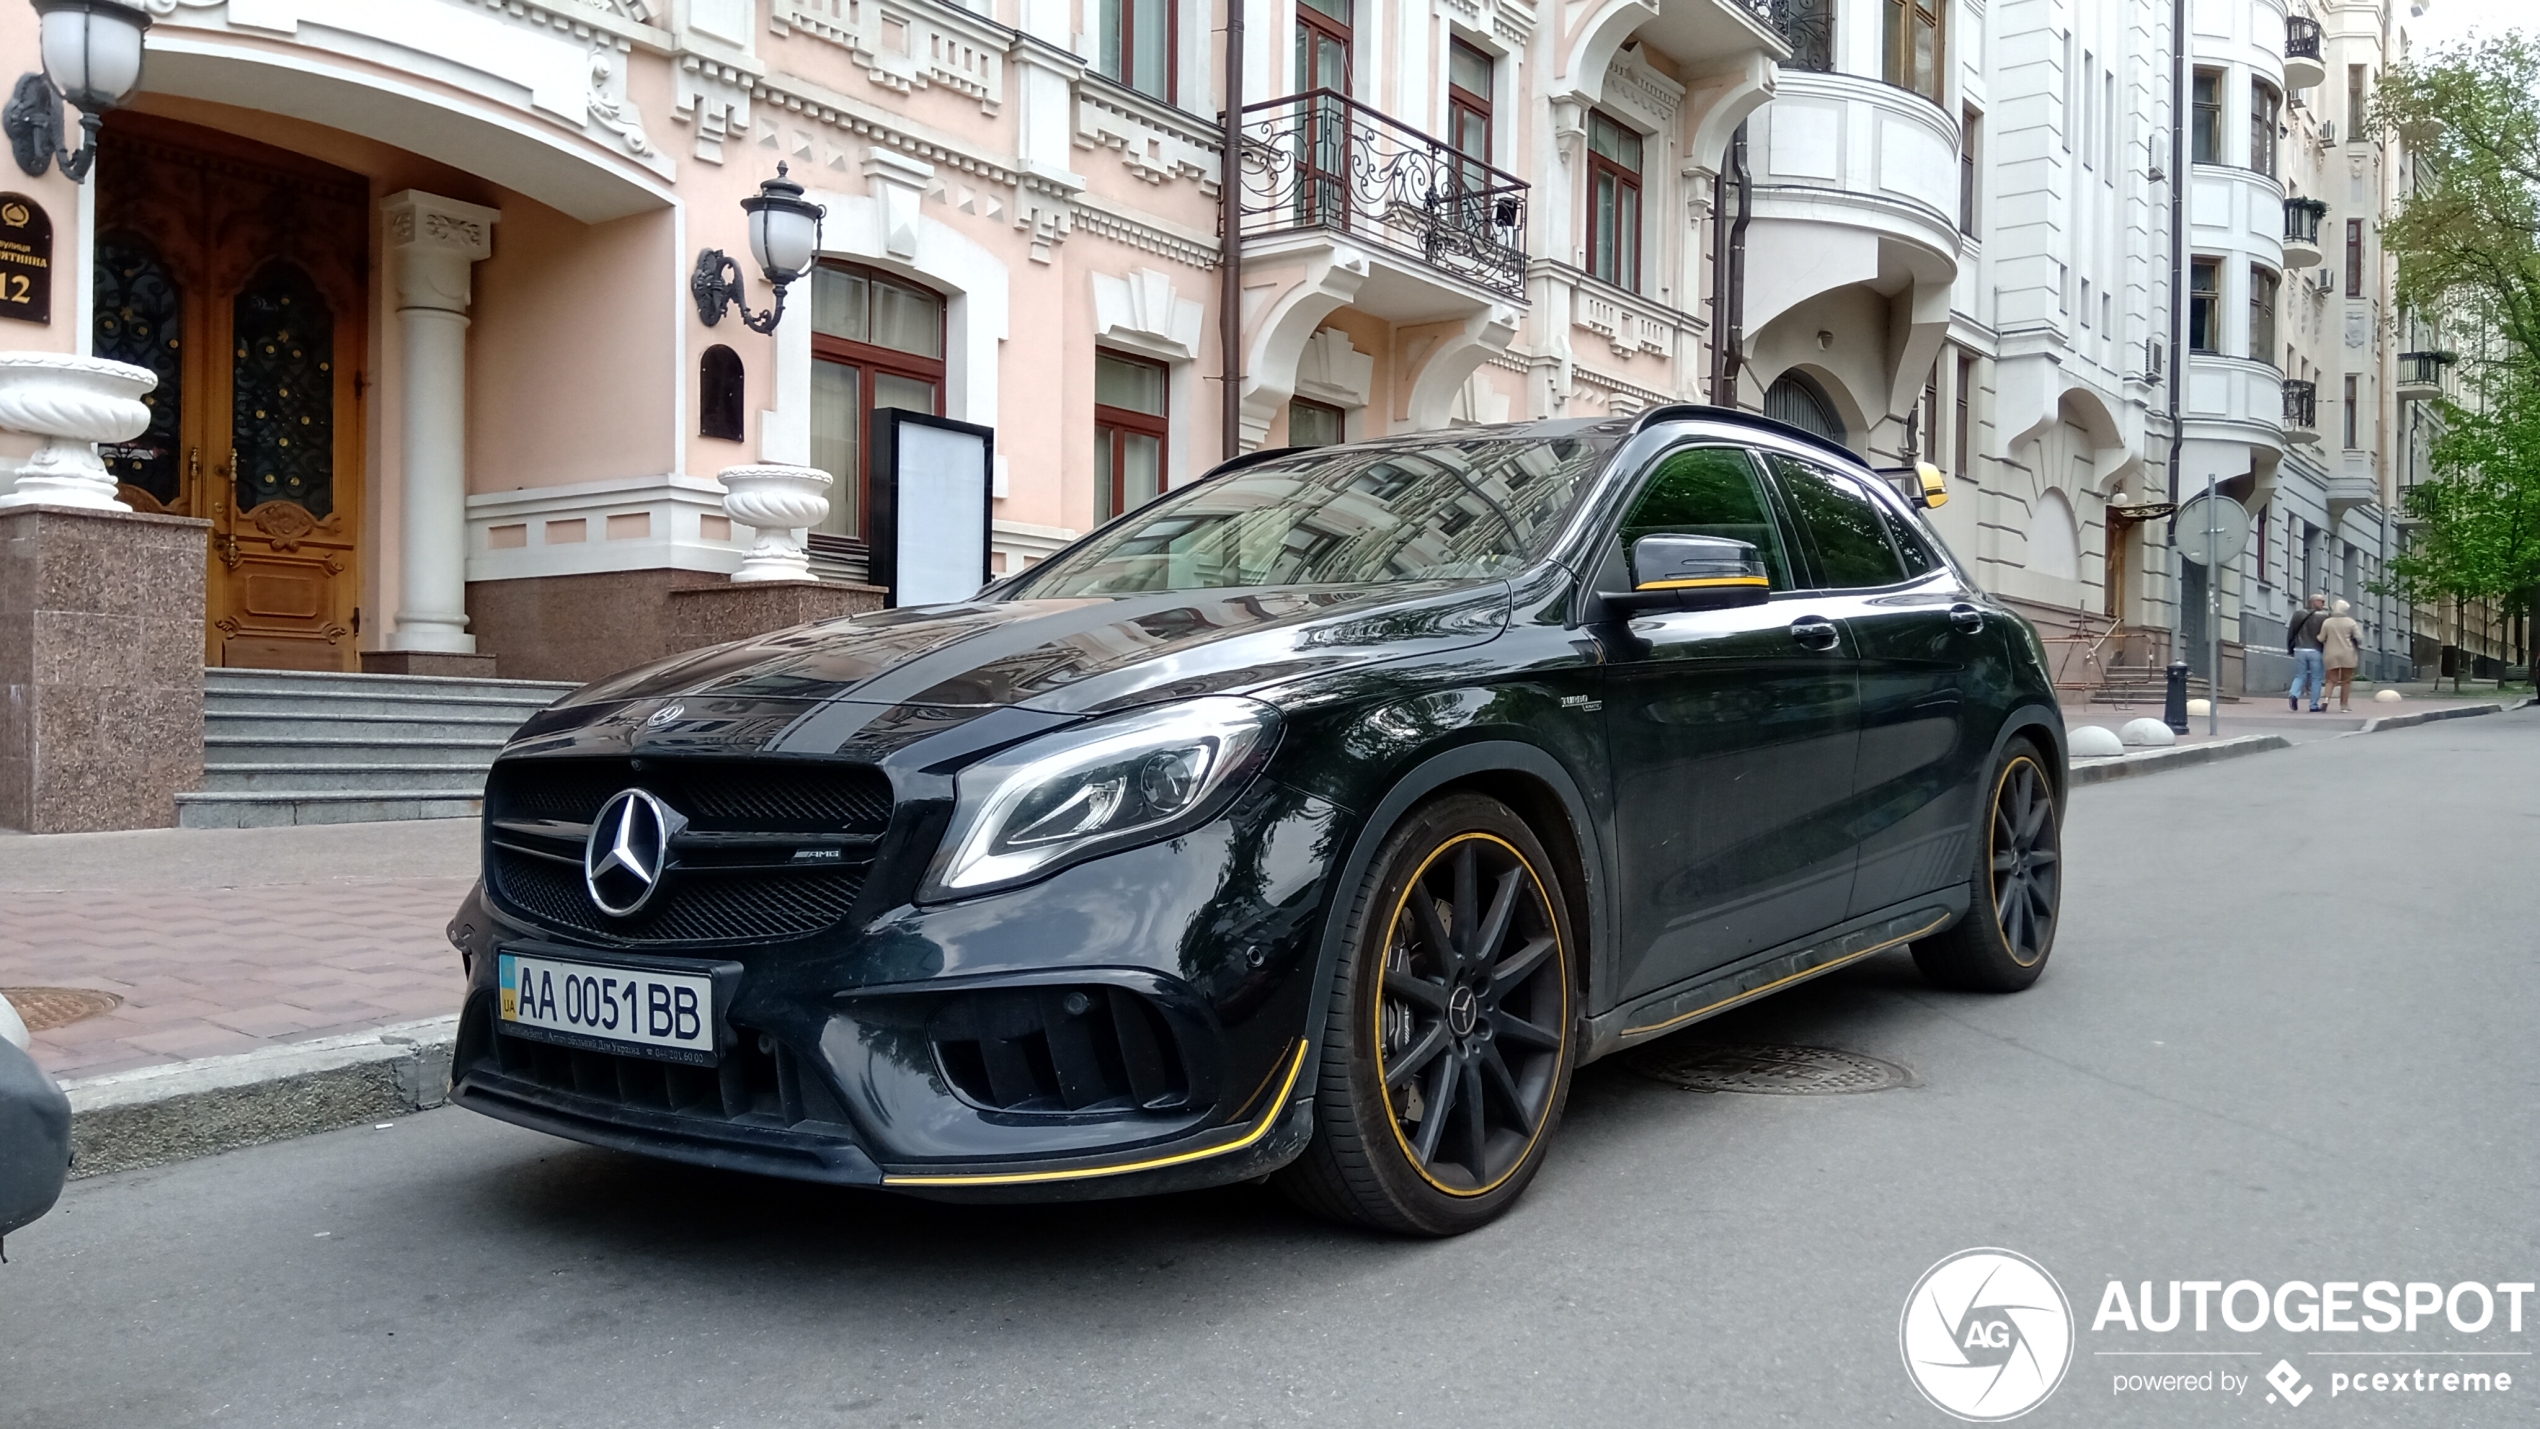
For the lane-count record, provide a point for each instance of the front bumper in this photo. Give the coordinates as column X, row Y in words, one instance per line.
column 1132, row 1024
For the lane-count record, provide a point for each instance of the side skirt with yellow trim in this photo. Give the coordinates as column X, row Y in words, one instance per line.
column 1232, row 1156
column 1677, row 1008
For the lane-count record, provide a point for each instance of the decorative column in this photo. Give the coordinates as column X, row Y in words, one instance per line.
column 433, row 243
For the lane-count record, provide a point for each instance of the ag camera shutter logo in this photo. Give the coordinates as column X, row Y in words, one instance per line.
column 1987, row 1335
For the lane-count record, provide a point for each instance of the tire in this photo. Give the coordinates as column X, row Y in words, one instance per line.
column 1460, row 1029
column 2002, row 943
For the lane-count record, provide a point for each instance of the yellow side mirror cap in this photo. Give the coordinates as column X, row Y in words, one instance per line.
column 1935, row 486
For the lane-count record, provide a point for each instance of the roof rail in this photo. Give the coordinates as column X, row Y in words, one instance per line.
column 1697, row 412
column 1252, row 458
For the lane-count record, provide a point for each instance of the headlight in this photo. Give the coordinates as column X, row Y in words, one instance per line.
column 1080, row 792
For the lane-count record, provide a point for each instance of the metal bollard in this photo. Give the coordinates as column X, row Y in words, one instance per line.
column 2174, row 706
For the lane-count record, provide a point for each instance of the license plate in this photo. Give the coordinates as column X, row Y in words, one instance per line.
column 651, row 1013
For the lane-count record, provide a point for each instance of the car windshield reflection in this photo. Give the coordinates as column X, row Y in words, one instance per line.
column 1470, row 509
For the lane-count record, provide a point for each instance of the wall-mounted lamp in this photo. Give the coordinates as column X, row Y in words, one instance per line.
column 92, row 57
column 784, row 238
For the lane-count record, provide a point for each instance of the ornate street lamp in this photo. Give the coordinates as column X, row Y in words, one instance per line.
column 92, row 57
column 784, row 238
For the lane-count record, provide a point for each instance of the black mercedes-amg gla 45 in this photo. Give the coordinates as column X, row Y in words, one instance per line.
column 1314, row 821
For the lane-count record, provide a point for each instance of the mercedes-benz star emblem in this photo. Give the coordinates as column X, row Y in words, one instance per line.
column 629, row 845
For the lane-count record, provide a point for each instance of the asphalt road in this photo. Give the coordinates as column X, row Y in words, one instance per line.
column 2287, row 1035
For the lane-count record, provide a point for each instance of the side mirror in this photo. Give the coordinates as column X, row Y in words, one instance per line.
column 1931, row 489
column 35, row 1139
column 1671, row 572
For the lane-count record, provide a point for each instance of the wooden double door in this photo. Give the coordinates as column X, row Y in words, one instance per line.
column 238, row 273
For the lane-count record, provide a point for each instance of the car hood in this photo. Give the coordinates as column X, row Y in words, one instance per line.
column 1035, row 662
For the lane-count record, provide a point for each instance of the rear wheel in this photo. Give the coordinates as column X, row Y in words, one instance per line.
column 2002, row 943
column 1446, row 1054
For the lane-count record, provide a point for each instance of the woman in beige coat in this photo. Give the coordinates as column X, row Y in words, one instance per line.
column 2341, row 640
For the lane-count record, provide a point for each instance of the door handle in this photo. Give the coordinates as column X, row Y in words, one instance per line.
column 1815, row 632
column 1966, row 618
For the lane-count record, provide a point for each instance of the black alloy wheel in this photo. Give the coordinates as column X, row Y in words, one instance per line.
column 1449, row 1051
column 2002, row 943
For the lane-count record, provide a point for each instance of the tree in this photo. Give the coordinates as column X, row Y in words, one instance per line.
column 2475, row 522
column 2467, row 235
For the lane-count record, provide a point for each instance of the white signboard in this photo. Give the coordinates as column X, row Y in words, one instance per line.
column 933, row 499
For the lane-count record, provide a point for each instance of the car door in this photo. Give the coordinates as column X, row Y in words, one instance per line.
column 1918, row 630
column 1731, row 736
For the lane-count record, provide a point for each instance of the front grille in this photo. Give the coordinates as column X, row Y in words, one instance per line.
column 693, row 906
column 1061, row 1049
column 771, row 850
column 716, row 795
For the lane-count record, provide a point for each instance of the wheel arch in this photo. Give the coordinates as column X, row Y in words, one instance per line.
column 1528, row 780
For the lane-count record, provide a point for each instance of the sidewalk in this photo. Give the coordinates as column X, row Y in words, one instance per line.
column 2268, row 714
column 221, row 941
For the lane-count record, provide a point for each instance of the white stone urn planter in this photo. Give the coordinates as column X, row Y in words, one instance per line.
column 75, row 403
column 778, row 502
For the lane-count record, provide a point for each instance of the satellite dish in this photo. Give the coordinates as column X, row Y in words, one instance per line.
column 2227, row 519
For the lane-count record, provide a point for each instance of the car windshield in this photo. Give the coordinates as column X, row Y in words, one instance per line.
column 1474, row 508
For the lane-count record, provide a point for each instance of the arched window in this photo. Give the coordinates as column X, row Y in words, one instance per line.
column 720, row 398
column 1793, row 398
column 876, row 341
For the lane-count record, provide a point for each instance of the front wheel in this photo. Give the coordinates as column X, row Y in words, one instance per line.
column 2017, row 882
column 1446, row 1054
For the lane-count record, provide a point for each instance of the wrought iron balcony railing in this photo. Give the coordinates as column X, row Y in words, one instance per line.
column 2301, row 38
column 2423, row 369
column 1323, row 160
column 2301, row 406
column 2302, row 220
column 1808, row 25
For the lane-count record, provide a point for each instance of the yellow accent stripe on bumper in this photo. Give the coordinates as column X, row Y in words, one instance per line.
column 1269, row 1119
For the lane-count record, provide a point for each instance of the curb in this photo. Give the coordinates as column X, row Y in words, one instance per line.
column 2153, row 761
column 2376, row 726
column 153, row 1115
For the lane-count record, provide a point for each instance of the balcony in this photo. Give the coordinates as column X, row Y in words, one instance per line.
column 1323, row 164
column 1808, row 26
column 2302, row 232
column 2303, row 67
column 2421, row 375
column 2301, row 412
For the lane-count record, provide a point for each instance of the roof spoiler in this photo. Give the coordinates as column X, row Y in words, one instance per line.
column 1256, row 458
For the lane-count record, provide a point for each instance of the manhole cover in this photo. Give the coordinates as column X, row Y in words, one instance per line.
column 1770, row 1071
column 45, row 1008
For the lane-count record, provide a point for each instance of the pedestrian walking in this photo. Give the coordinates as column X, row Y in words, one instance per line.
column 2302, row 642
column 2341, row 649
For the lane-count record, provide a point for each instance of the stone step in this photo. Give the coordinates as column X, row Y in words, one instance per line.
column 295, row 682
column 297, row 724
column 294, row 747
column 358, row 703
column 225, row 748
column 239, row 810
column 466, row 779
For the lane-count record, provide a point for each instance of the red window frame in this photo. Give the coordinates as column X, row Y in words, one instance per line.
column 1627, row 236
column 867, row 359
column 1158, row 425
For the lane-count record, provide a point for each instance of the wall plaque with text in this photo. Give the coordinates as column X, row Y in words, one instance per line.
column 26, row 260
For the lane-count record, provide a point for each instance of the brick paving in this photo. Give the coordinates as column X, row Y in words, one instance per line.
column 208, row 971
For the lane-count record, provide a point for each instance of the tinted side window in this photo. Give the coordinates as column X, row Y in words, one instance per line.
column 1842, row 524
column 1919, row 561
column 1709, row 491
